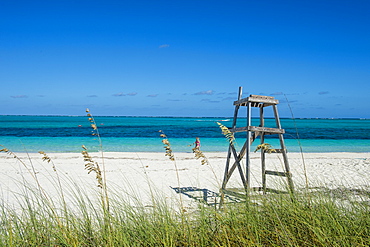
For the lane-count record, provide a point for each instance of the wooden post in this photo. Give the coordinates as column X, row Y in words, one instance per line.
column 263, row 162
column 248, row 148
column 285, row 157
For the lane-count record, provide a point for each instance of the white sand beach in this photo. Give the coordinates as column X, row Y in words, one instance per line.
column 137, row 174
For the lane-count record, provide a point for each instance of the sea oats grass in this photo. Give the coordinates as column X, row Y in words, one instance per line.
column 200, row 155
column 90, row 165
column 100, row 175
column 227, row 133
column 265, row 147
column 169, row 153
column 167, row 146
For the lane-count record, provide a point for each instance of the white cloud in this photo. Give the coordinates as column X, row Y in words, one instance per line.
column 210, row 101
column 277, row 93
column 230, row 98
column 152, row 95
column 19, row 96
column 324, row 92
column 119, row 94
column 122, row 94
column 209, row 92
column 174, row 100
column 164, row 46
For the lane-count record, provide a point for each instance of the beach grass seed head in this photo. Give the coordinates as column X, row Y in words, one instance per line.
column 46, row 158
column 92, row 166
column 4, row 150
column 266, row 148
column 7, row 151
column 167, row 146
column 200, row 155
column 227, row 133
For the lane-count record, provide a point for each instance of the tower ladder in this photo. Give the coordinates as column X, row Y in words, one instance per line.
column 261, row 102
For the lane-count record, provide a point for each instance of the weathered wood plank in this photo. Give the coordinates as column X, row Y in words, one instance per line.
column 266, row 130
column 237, row 162
column 258, row 100
column 240, row 157
column 240, row 129
column 275, row 173
column 261, row 96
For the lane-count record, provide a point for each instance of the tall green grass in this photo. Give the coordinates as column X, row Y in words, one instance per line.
column 274, row 221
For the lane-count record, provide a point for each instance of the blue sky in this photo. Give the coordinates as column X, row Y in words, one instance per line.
column 184, row 58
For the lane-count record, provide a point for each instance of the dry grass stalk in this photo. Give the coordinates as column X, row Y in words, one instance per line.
column 92, row 166
column 100, row 174
column 15, row 156
column 46, row 158
column 42, row 191
column 167, row 146
column 266, row 148
column 227, row 133
column 95, row 131
column 200, row 155
column 7, row 151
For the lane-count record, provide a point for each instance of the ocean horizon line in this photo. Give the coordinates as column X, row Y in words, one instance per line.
column 230, row 117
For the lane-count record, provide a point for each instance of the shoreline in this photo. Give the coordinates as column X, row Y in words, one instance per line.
column 182, row 152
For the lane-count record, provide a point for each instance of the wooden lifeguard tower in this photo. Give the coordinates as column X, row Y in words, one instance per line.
column 252, row 132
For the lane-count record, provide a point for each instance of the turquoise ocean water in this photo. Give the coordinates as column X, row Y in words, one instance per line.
column 140, row 134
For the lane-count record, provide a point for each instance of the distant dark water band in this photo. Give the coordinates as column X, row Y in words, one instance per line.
column 179, row 132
